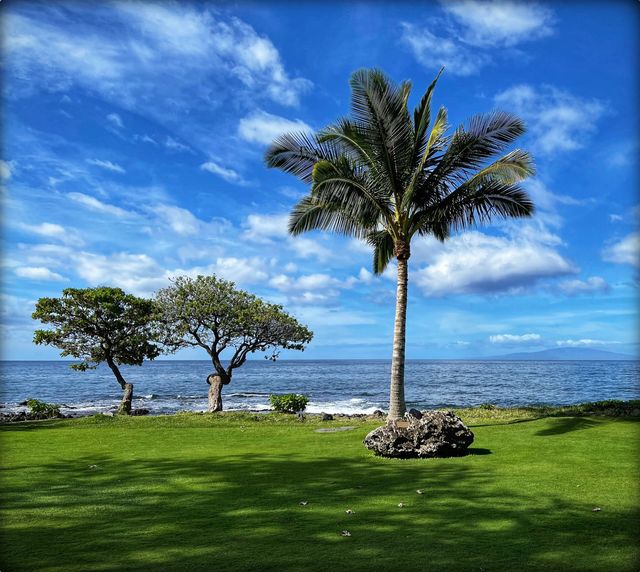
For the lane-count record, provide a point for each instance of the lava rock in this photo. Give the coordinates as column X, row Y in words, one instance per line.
column 378, row 413
column 415, row 413
column 140, row 411
column 435, row 434
column 327, row 417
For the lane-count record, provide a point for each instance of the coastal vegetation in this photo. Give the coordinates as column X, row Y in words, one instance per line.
column 99, row 325
column 241, row 491
column 212, row 314
column 387, row 176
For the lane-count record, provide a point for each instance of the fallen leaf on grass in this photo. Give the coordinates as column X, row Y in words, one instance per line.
column 420, row 491
column 596, row 509
column 304, row 502
column 349, row 511
column 401, row 504
column 345, row 533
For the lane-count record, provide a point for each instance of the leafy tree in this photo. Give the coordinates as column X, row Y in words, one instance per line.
column 99, row 325
column 212, row 314
column 386, row 175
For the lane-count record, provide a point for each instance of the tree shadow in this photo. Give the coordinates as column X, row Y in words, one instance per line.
column 243, row 512
column 562, row 425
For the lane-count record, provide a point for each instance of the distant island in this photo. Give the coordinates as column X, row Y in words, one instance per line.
column 564, row 354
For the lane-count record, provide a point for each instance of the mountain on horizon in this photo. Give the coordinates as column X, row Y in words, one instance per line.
column 564, row 354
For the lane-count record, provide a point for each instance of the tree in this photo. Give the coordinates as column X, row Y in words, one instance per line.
column 212, row 314
column 385, row 176
column 100, row 325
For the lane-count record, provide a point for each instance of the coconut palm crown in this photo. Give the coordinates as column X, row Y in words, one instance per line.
column 385, row 175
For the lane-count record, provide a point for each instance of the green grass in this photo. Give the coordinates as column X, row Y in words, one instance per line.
column 201, row 492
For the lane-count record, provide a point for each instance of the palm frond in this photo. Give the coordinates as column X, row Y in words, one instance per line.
column 312, row 214
column 297, row 153
column 381, row 109
column 383, row 249
column 422, row 114
column 477, row 204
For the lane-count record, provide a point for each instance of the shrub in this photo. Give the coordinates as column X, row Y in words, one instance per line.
column 43, row 409
column 488, row 406
column 289, row 402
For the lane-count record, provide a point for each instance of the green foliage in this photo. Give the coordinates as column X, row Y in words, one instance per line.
column 385, row 175
column 213, row 314
column 97, row 325
column 487, row 406
column 289, row 402
column 44, row 409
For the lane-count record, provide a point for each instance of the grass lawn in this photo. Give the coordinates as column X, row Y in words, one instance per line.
column 201, row 492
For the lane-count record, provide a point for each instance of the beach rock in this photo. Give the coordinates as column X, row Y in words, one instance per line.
column 435, row 434
column 377, row 413
column 415, row 413
column 140, row 411
column 327, row 417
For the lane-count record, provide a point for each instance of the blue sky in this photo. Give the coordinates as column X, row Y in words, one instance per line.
column 133, row 143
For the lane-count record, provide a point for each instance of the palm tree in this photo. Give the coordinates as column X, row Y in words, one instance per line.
column 385, row 177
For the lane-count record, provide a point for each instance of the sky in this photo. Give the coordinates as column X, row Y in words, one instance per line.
column 133, row 136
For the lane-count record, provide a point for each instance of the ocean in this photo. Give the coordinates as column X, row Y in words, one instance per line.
column 334, row 386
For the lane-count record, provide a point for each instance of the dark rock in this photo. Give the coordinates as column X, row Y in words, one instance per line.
column 327, row 417
column 23, row 403
column 415, row 413
column 436, row 434
column 28, row 416
column 140, row 411
column 378, row 413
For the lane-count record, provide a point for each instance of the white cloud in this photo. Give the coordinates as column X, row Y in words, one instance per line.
column 6, row 170
column 584, row 343
column 615, row 218
column 178, row 46
column 624, row 251
column 240, row 270
column 262, row 127
column 514, row 339
column 316, row 281
column 226, row 173
column 557, row 120
column 55, row 231
column 107, row 165
column 434, row 51
column 180, row 220
column 115, row 120
column 96, row 205
column 38, row 273
column 137, row 273
column 592, row 285
column 500, row 22
column 474, row 262
column 309, row 248
column 171, row 143
column 470, row 28
column 263, row 228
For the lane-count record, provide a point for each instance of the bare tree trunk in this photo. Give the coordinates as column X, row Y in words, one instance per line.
column 397, row 406
column 216, row 381
column 127, row 397
column 127, row 389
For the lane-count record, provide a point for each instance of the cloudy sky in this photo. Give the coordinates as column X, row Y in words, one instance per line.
column 133, row 143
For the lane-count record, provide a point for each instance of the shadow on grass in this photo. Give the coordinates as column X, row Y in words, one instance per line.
column 479, row 451
column 561, row 425
column 243, row 513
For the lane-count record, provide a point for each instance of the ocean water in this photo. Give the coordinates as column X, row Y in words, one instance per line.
column 340, row 386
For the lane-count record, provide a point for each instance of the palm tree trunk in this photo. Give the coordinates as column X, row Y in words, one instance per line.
column 397, row 406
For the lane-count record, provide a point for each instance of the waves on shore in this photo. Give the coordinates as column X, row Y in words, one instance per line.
column 162, row 405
